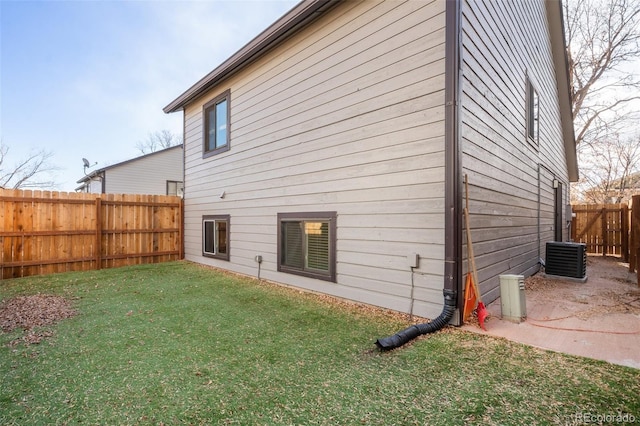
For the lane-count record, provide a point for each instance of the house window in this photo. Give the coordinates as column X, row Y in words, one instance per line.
column 175, row 187
column 307, row 244
column 215, row 236
column 533, row 113
column 216, row 125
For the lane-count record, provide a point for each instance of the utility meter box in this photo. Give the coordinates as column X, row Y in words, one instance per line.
column 512, row 298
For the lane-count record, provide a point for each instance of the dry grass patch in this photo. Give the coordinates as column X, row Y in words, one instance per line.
column 31, row 313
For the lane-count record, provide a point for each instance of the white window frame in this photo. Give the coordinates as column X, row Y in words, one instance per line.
column 216, row 220
column 533, row 114
column 179, row 187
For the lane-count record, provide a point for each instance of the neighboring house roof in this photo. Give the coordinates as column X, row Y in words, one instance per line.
column 617, row 191
column 634, row 181
column 631, row 182
column 99, row 172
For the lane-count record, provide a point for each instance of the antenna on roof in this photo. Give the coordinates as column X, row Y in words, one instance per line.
column 87, row 164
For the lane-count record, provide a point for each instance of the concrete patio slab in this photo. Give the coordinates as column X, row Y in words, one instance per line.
column 598, row 319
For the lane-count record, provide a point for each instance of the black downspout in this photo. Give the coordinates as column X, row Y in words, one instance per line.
column 453, row 220
column 103, row 178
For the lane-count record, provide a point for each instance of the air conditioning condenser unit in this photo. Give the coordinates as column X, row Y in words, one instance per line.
column 566, row 259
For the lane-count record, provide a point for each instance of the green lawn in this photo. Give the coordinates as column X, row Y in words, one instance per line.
column 176, row 343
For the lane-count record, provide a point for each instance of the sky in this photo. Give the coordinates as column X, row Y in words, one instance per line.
column 88, row 79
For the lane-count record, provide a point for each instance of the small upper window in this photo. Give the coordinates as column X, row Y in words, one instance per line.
column 215, row 236
column 216, row 125
column 533, row 113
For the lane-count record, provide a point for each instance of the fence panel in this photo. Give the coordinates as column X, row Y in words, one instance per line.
column 604, row 228
column 44, row 232
column 634, row 256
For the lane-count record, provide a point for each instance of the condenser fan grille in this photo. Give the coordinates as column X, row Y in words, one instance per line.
column 566, row 259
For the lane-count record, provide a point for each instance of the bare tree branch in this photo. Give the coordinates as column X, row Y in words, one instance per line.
column 602, row 36
column 157, row 141
column 611, row 170
column 26, row 173
column 596, row 112
column 603, row 39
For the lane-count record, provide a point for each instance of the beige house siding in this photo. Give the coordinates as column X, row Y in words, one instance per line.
column 146, row 175
column 93, row 186
column 511, row 180
column 345, row 116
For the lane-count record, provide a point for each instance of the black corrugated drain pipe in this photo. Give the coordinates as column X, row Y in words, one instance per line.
column 452, row 200
column 402, row 337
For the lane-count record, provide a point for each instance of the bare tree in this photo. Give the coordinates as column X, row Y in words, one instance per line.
column 603, row 37
column 603, row 40
column 611, row 173
column 157, row 141
column 29, row 172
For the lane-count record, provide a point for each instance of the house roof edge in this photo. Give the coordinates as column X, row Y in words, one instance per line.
column 299, row 16
column 98, row 171
column 561, row 66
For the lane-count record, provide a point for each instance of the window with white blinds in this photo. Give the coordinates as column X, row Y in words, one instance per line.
column 306, row 244
column 292, row 240
column 317, row 245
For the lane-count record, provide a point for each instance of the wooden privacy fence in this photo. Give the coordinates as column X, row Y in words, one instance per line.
column 610, row 229
column 604, row 228
column 44, row 232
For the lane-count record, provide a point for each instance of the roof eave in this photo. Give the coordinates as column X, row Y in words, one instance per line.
column 558, row 43
column 90, row 176
column 302, row 14
column 97, row 172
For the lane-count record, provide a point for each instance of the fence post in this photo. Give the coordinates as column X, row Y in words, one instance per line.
column 98, row 233
column 181, row 227
column 605, row 236
column 635, row 237
column 624, row 240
